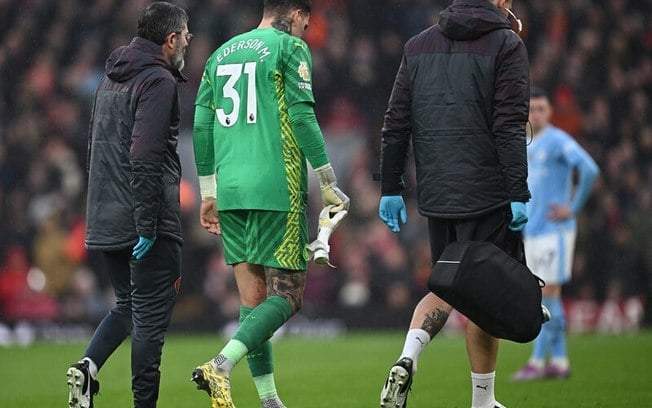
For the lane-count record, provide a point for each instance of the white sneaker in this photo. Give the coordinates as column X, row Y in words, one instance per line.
column 82, row 387
column 397, row 385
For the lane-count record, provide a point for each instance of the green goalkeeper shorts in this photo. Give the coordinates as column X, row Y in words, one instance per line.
column 273, row 239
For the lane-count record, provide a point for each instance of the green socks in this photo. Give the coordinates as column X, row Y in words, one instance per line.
column 260, row 360
column 256, row 327
column 262, row 322
column 230, row 355
column 265, row 386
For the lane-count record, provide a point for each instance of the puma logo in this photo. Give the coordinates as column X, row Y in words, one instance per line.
column 421, row 341
column 484, row 387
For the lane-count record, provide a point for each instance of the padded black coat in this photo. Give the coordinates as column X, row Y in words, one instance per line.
column 133, row 165
column 461, row 96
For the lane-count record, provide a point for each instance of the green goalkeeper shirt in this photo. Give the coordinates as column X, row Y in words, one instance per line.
column 249, row 87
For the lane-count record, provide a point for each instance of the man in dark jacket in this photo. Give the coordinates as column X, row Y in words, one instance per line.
column 461, row 96
column 133, row 218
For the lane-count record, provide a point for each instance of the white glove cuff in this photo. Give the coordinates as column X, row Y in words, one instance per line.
column 208, row 187
column 324, row 234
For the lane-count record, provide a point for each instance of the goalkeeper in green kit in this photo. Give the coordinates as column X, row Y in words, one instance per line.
column 254, row 129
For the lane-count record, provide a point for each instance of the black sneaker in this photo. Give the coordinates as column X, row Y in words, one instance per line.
column 81, row 386
column 397, row 385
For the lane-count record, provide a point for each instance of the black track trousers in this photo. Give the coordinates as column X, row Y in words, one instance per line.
column 145, row 291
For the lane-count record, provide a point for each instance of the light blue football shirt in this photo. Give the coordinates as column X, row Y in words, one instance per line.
column 552, row 157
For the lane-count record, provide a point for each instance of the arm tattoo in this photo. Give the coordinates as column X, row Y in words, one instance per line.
column 288, row 285
column 434, row 321
column 283, row 24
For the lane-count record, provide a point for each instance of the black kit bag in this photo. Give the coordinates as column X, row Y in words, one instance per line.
column 491, row 288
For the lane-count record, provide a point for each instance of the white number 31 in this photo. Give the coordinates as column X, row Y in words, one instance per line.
column 234, row 72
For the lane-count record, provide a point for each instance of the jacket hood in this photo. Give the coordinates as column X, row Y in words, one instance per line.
column 471, row 19
column 127, row 61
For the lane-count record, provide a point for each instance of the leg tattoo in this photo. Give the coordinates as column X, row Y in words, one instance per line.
column 288, row 285
column 434, row 321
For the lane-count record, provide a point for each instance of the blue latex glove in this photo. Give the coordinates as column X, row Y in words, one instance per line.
column 519, row 216
column 144, row 244
column 390, row 209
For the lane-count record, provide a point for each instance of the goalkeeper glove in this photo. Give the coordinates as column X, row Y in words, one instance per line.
column 328, row 221
column 143, row 246
column 331, row 195
column 519, row 216
column 390, row 209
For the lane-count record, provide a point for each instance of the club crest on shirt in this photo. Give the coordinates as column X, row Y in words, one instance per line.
column 303, row 70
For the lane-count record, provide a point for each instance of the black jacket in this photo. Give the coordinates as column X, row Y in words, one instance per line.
column 133, row 164
column 462, row 95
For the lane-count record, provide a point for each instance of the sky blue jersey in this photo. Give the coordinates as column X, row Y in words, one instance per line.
column 552, row 157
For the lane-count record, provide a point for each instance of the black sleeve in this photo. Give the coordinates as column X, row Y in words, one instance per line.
column 396, row 134
column 510, row 115
column 90, row 130
column 149, row 141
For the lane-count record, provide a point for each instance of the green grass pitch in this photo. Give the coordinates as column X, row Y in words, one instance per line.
column 348, row 371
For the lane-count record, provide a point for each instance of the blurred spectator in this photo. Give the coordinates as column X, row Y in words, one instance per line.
column 595, row 58
column 567, row 114
column 51, row 257
column 21, row 290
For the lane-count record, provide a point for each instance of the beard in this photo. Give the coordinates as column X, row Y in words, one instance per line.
column 177, row 61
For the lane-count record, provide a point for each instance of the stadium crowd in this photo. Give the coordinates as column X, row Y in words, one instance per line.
column 594, row 57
